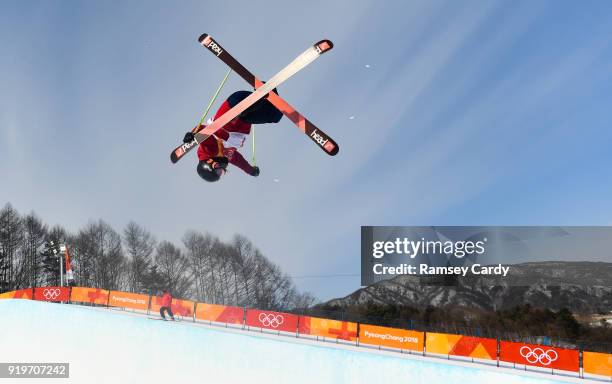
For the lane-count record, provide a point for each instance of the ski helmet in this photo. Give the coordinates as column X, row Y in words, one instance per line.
column 212, row 169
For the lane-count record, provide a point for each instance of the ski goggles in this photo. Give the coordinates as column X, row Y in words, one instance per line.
column 216, row 164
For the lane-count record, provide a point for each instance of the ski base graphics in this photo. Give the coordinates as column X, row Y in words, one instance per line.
column 261, row 91
column 315, row 134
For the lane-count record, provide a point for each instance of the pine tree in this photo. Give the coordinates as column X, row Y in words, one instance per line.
column 50, row 263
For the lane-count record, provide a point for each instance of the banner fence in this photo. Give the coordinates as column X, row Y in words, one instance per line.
column 459, row 345
column 55, row 294
column 219, row 313
column 401, row 339
column 540, row 356
column 182, row 308
column 272, row 320
column 26, row 294
column 89, row 295
column 328, row 329
column 523, row 354
column 597, row 363
column 128, row 300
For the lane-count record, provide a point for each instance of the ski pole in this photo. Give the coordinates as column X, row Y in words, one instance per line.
column 212, row 101
column 254, row 162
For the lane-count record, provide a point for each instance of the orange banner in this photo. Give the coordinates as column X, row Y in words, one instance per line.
column 89, row 295
column 597, row 363
column 19, row 294
column 539, row 356
column 219, row 313
column 179, row 307
column 458, row 345
column 391, row 337
column 333, row 329
column 128, row 300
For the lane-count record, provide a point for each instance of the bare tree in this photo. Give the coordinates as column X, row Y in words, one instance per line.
column 203, row 261
column 238, row 274
column 234, row 265
column 303, row 301
column 98, row 256
column 234, row 273
column 196, row 245
column 34, row 236
column 245, row 261
column 173, row 268
column 139, row 246
column 11, row 236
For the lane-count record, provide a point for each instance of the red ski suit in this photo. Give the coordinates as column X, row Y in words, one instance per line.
column 166, row 300
column 213, row 145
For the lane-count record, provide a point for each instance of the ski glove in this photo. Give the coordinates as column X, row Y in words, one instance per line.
column 217, row 162
column 255, row 171
column 189, row 137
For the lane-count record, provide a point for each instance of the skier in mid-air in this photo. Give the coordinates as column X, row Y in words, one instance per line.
column 221, row 148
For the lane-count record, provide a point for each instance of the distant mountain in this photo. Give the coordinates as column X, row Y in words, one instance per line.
column 582, row 287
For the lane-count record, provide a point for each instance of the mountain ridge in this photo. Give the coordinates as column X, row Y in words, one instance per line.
column 582, row 287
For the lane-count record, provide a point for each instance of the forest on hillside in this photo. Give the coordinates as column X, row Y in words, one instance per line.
column 201, row 268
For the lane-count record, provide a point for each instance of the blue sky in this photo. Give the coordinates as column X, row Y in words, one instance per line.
column 463, row 113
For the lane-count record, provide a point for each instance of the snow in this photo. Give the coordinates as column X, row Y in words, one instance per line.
column 109, row 346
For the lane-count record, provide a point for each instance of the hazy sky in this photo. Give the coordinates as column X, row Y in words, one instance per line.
column 446, row 112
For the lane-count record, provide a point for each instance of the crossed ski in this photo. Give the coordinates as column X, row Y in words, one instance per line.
column 262, row 89
column 315, row 134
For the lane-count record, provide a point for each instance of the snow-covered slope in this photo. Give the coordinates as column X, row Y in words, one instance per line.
column 104, row 346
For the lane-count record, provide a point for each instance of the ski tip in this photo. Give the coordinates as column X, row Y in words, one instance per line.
column 176, row 155
column 332, row 151
column 326, row 143
column 324, row 46
column 202, row 37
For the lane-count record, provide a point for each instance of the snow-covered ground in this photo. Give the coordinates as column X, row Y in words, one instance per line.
column 106, row 346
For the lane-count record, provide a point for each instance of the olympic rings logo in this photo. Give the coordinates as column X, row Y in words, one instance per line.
column 271, row 320
column 538, row 355
column 51, row 294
